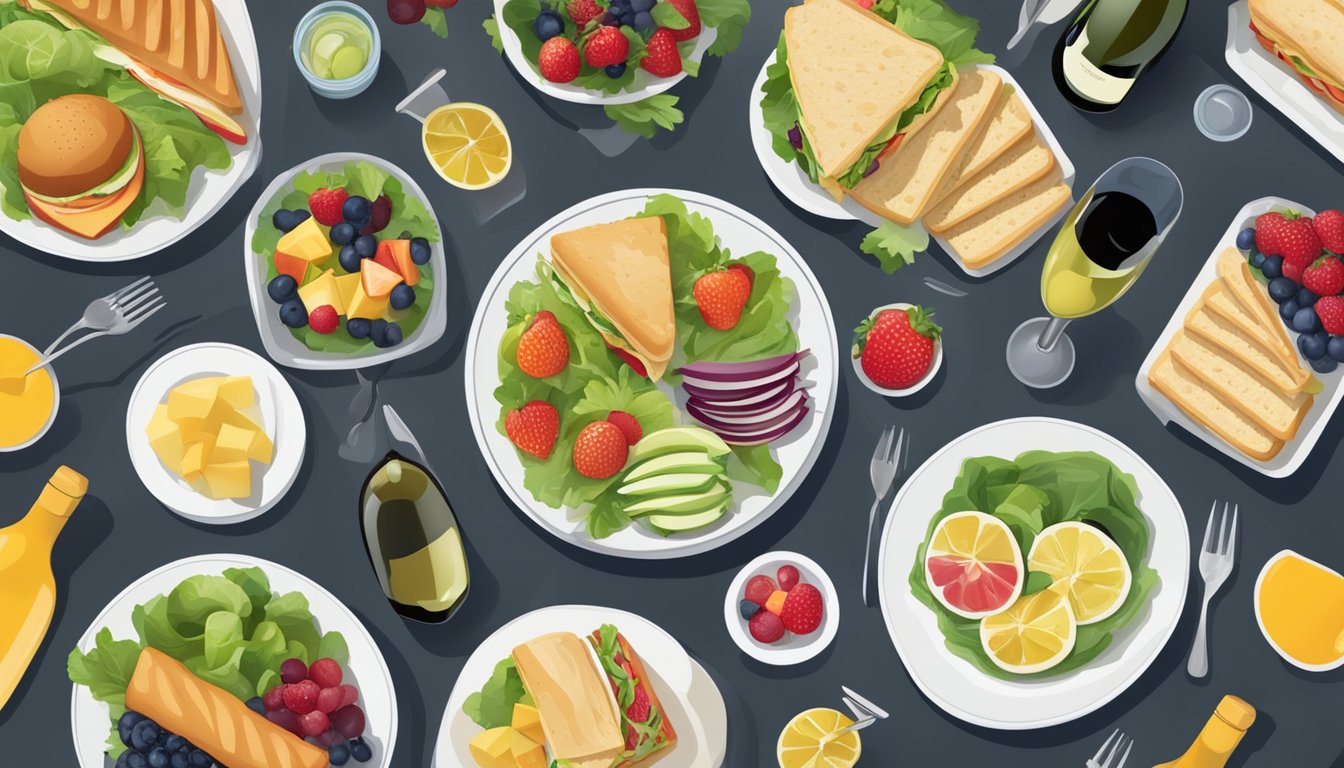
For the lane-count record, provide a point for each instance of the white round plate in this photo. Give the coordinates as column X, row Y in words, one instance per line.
column 209, row 190
column 791, row 649
column 917, row 386
column 277, row 407
column 1259, row 620
column 691, row 700
column 280, row 344
column 366, row 669
column 741, row 233
column 953, row 684
column 643, row 86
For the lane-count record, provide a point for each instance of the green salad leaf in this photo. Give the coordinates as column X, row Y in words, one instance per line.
column 491, row 27
column 437, row 21
column 894, row 246
column 728, row 18
column 646, row 116
column 1030, row 493
column 492, row 706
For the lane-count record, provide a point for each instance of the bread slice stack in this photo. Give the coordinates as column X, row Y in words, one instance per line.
column 1232, row 367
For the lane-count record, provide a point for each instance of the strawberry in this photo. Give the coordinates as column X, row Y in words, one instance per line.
column 1325, row 277
column 896, row 348
column 325, row 205
column 661, row 57
column 558, row 60
column 1298, row 242
column 745, row 270
column 721, row 296
column 1331, row 311
column 605, row 47
column 638, row 711
column 301, row 697
column 583, row 11
column 1329, row 226
column 533, row 428
column 1293, row 271
column 1267, row 232
column 628, row 425
column 635, row 363
column 543, row 349
column 692, row 15
column 600, row 450
column 803, row 609
column 324, row 319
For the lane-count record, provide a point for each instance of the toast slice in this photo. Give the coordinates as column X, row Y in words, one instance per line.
column 1276, row 412
column 1205, row 407
column 1254, row 300
column 1224, row 305
column 1009, row 122
column 1023, row 163
column 985, row 237
column 1233, row 339
column 903, row 186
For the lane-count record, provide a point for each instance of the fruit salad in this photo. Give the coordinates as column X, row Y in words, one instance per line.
column 312, row 702
column 786, row 604
column 348, row 259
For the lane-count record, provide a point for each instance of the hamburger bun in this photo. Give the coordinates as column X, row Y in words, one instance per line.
column 73, row 144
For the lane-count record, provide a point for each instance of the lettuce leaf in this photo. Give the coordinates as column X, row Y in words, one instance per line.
column 492, row 706
column 894, row 246
column 729, row 18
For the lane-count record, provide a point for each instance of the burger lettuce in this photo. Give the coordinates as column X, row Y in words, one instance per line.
column 40, row 59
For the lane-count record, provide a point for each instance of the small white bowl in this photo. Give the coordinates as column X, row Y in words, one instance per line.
column 791, row 649
column 924, row 382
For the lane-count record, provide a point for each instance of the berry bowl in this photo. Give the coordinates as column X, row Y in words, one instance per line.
column 791, row 648
column 922, row 383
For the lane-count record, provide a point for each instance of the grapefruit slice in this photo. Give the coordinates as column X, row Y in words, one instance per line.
column 1035, row 634
column 973, row 565
column 1087, row 564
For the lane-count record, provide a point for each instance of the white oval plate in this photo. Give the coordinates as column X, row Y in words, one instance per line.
column 952, row 683
column 917, row 386
column 1259, row 617
column 693, row 702
column 741, row 233
column 279, row 343
column 791, row 649
column 209, row 190
column 280, row 415
column 643, row 86
column 366, row 669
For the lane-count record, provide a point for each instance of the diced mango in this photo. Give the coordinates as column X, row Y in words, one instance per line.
column 490, row 749
column 293, row 266
column 365, row 306
column 527, row 721
column 401, row 254
column 384, row 256
column 232, row 444
column 228, row 480
column 322, row 291
column 346, row 285
column 307, row 242
column 194, row 459
column 262, row 448
column 165, row 437
column 193, row 399
column 377, row 280
column 238, row 392
column 525, row 752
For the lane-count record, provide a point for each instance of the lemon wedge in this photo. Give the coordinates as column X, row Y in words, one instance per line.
column 1085, row 561
column 468, row 145
column 810, row 740
column 1035, row 634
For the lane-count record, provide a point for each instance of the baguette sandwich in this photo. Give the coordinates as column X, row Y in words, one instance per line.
column 1308, row 36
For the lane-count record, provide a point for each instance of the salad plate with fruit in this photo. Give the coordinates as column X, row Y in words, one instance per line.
column 1050, row 575
column 223, row 660
column 651, row 373
column 342, row 253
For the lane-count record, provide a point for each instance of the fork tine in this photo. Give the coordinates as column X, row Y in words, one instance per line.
column 883, row 443
column 1105, row 746
column 144, row 313
column 1232, row 532
column 131, row 294
column 117, row 294
column 1125, row 756
column 128, row 305
column 895, row 454
column 1208, row 529
column 1222, row 529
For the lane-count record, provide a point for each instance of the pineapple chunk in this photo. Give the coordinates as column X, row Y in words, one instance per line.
column 165, row 437
column 193, row 399
column 490, row 749
column 527, row 721
column 322, row 291
column 364, row 306
column 238, row 392
column 194, row 459
column 232, row 444
column 307, row 242
column 345, row 288
column 525, row 752
column 228, row 480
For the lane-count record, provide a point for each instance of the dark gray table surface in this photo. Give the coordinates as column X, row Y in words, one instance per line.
column 120, row 532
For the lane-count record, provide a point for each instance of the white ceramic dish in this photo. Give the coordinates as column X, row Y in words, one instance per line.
column 791, row 649
column 1309, row 431
column 366, row 669
column 1259, row 581
column 799, row 189
column 643, row 86
column 280, row 344
column 56, row 399
column 922, row 383
column 209, row 191
column 959, row 688
column 1276, row 83
column 279, row 412
column 741, row 233
column 689, row 696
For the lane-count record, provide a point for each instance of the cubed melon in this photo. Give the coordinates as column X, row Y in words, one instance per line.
column 307, row 241
column 378, row 280
column 490, row 749
column 165, row 438
column 262, row 448
column 232, row 444
column 293, row 266
column 228, row 480
column 365, row 306
column 345, row 288
column 194, row 459
column 401, row 253
column 193, row 399
column 238, row 392
column 322, row 291
column 527, row 721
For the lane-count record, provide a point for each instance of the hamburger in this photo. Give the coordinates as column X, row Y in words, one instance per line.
column 81, row 164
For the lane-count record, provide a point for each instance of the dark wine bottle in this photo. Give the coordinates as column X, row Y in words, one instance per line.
column 1110, row 45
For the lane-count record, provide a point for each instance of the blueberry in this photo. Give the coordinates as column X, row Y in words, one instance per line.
column 281, row 289
column 1246, row 239
column 343, row 233
column 1324, row 365
column 293, row 314
column 136, row 760
column 548, row 24
column 642, row 5
column 1287, row 310
column 366, row 246
column 338, row 754
column 747, row 609
column 618, row 7
column 145, row 735
column 1305, row 298
column 284, row 220
column 157, row 758
column 359, row 749
column 420, row 251
column 199, row 759
column 628, row 18
column 391, row 336
column 643, row 21
column 357, row 327
column 1335, row 348
column 123, row 760
column 1273, row 267
column 1306, row 321
column 349, row 258
column 615, row 71
column 253, row 704
column 1312, row 346
column 402, row 297
column 1257, row 259
column 610, row 20
column 179, row 760
column 376, row 330
column 301, row 215
column 176, row 743
column 356, row 208
column 126, row 724
column 1282, row 289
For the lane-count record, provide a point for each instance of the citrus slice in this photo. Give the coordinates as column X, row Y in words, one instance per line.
column 1088, row 563
column 468, row 145
column 1035, row 634
column 812, row 740
column 973, row 565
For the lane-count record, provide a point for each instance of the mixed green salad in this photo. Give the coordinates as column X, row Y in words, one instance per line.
column 230, row 630
column 1031, row 493
column 40, row 60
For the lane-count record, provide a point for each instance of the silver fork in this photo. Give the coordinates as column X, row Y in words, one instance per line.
column 114, row 314
column 1216, row 558
column 882, row 471
column 1105, row 756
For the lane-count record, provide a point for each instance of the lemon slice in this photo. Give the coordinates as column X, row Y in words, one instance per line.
column 1088, row 563
column 468, row 145
column 973, row 565
column 1035, row 634
column 810, row 741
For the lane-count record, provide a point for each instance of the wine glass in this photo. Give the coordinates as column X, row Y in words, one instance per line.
column 1106, row 242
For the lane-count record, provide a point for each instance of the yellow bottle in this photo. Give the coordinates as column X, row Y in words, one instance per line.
column 1220, row 736
column 27, row 587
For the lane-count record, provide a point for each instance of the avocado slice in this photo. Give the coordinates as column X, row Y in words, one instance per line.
column 664, row 485
column 677, row 439
column 681, row 504
column 670, row 524
column 686, row 462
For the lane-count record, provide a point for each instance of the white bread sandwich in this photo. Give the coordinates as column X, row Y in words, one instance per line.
column 1308, row 37
column 1009, row 122
column 990, row 234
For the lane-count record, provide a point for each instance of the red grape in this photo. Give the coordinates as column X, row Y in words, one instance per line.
column 349, row 721
column 273, row 699
column 325, row 672
column 314, row 723
column 330, row 699
column 759, row 589
column 293, row 670
column 405, row 11
column 349, row 695
column 285, row 719
column 787, row 575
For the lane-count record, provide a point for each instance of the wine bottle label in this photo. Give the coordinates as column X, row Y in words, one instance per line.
column 1087, row 80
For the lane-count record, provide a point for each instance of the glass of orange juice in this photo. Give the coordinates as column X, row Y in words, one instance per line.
column 28, row 404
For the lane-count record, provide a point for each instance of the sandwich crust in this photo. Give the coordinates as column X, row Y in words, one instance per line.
column 1310, row 29
column 72, row 144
